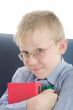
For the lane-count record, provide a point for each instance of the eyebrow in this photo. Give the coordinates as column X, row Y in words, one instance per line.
column 33, row 50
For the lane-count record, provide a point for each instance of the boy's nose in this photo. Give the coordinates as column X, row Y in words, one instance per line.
column 32, row 60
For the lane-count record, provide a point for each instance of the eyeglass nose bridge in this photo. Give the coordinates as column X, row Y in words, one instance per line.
column 34, row 54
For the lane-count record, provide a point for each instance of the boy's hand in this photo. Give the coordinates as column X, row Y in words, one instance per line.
column 44, row 101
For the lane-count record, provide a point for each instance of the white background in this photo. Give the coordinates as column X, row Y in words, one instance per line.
column 11, row 12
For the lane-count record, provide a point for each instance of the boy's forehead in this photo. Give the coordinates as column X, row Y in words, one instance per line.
column 35, row 40
column 42, row 33
column 39, row 38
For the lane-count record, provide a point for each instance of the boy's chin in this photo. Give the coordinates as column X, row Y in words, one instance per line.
column 41, row 76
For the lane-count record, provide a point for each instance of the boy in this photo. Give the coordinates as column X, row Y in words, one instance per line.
column 41, row 40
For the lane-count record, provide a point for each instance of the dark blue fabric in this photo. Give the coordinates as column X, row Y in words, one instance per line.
column 9, row 61
column 68, row 56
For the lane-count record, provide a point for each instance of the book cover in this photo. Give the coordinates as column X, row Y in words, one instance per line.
column 22, row 91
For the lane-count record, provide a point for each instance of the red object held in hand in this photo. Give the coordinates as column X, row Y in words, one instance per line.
column 22, row 91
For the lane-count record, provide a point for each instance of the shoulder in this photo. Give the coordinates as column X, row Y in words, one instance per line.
column 67, row 71
column 65, row 77
column 23, row 69
column 21, row 74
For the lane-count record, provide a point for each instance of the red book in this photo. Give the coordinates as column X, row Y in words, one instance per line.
column 22, row 91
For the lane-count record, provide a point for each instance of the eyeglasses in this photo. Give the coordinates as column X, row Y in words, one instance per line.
column 38, row 53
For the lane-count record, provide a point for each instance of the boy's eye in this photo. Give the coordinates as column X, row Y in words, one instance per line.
column 39, row 51
column 25, row 53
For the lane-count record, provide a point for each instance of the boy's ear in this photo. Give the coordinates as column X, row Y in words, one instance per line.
column 63, row 44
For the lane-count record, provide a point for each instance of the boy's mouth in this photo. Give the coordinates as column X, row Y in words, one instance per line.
column 36, row 69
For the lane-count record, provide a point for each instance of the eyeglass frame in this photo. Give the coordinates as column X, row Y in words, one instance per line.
column 33, row 53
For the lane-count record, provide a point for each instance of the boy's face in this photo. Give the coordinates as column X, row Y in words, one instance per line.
column 40, row 54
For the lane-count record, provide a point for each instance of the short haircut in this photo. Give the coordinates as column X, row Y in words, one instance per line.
column 39, row 19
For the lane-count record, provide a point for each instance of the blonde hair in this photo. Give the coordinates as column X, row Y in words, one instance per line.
column 36, row 19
